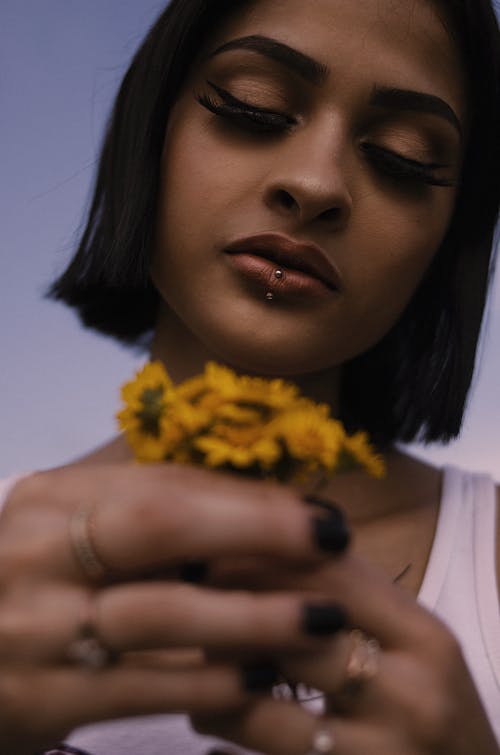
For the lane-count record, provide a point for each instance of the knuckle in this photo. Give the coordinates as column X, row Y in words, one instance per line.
column 435, row 641
column 25, row 557
column 444, row 648
column 29, row 491
column 162, row 522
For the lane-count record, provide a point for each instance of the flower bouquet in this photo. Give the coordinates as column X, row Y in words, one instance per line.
column 262, row 428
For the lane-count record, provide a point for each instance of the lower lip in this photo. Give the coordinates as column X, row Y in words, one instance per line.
column 293, row 283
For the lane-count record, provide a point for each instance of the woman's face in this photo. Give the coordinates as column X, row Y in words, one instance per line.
column 357, row 152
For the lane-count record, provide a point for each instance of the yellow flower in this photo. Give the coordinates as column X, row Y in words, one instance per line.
column 221, row 419
column 147, row 448
column 362, row 453
column 311, row 436
column 191, row 418
column 193, row 389
column 145, row 398
column 242, row 389
column 239, row 447
column 238, row 414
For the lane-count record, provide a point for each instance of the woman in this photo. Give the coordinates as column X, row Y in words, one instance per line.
column 311, row 194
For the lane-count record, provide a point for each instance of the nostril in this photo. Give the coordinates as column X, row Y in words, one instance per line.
column 331, row 214
column 285, row 199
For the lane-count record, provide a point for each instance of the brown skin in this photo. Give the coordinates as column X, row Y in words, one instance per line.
column 220, row 183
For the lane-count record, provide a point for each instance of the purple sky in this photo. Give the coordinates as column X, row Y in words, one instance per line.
column 60, row 64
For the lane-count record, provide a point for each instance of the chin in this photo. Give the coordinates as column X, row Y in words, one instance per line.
column 268, row 358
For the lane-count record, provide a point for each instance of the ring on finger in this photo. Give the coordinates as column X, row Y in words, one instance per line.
column 363, row 663
column 81, row 529
column 323, row 741
column 88, row 649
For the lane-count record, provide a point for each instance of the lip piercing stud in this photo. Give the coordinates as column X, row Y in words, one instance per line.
column 278, row 274
column 269, row 296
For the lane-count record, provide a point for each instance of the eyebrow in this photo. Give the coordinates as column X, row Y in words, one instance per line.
column 316, row 73
column 406, row 99
column 306, row 67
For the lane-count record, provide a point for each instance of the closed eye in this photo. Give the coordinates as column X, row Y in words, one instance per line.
column 404, row 168
column 245, row 115
column 256, row 119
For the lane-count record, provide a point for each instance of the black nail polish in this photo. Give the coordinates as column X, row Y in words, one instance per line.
column 194, row 572
column 321, row 620
column 331, row 533
column 259, row 678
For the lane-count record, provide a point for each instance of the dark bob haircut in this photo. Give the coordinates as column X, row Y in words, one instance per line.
column 414, row 383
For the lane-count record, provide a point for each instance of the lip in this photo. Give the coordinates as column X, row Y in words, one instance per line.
column 293, row 256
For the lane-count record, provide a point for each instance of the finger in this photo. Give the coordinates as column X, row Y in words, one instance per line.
column 38, row 621
column 149, row 518
column 372, row 602
column 180, row 615
column 375, row 604
column 354, row 681
column 221, row 518
column 71, row 698
column 321, row 669
column 41, row 626
column 275, row 727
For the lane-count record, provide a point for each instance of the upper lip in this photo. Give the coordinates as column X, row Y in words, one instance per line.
column 300, row 255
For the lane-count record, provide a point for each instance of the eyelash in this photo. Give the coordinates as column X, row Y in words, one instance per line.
column 242, row 113
column 262, row 120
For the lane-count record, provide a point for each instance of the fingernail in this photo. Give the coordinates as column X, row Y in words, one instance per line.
column 331, row 533
column 194, row 572
column 320, row 620
column 259, row 678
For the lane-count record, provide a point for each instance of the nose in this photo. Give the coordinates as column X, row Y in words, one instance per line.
column 308, row 181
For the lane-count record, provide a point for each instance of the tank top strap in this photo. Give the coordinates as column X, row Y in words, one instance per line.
column 454, row 492
column 485, row 517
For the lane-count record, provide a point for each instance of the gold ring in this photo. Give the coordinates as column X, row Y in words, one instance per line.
column 363, row 663
column 81, row 529
column 323, row 742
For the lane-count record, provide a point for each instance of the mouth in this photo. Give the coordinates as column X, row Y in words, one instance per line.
column 304, row 267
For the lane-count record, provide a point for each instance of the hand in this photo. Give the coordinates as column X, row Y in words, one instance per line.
column 147, row 522
column 420, row 701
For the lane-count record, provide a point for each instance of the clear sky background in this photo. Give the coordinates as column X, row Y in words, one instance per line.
column 60, row 64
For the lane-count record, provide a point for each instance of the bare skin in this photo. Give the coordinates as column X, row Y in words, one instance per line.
column 249, row 612
column 393, row 522
column 46, row 596
column 313, row 182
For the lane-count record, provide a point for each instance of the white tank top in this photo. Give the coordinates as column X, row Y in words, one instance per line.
column 459, row 586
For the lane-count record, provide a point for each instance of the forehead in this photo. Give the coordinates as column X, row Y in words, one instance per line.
column 401, row 43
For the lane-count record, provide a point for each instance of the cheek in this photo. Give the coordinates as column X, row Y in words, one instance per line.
column 388, row 268
column 200, row 181
column 185, row 204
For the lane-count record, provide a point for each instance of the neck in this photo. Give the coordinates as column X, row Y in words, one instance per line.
column 184, row 356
